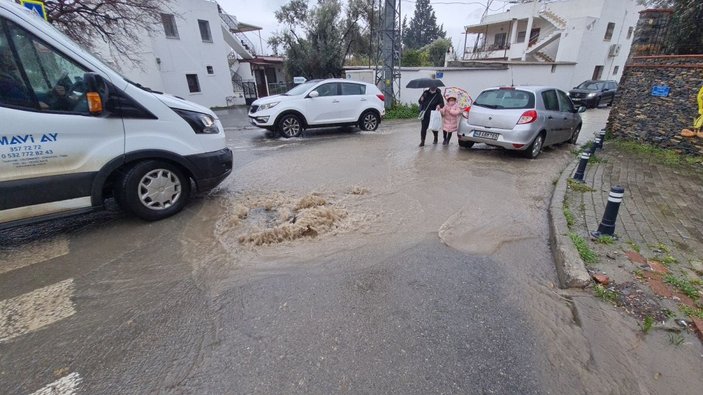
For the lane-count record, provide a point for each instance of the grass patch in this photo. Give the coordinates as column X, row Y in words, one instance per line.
column 676, row 339
column 578, row 186
column 683, row 284
column 661, row 247
column 647, row 324
column 605, row 294
column 403, row 111
column 639, row 273
column 594, row 159
column 606, row 239
column 635, row 247
column 669, row 260
column 692, row 312
column 586, row 253
column 667, row 157
column 570, row 219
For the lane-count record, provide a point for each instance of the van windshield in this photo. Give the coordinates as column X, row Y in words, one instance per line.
column 511, row 99
column 300, row 89
column 591, row 86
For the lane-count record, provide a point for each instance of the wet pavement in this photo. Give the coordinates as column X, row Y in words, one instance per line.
column 341, row 261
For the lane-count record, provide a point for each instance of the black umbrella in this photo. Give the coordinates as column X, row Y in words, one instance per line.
column 424, row 83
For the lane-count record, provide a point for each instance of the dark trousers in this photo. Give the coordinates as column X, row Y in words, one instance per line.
column 423, row 130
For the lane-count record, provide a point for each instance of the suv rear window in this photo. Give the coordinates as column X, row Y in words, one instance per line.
column 510, row 99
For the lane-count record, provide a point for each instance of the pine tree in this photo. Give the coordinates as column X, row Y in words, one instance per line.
column 423, row 27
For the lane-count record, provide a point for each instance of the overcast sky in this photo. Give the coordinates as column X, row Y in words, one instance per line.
column 454, row 14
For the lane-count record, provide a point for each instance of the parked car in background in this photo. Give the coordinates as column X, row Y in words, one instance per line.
column 320, row 103
column 594, row 93
column 523, row 118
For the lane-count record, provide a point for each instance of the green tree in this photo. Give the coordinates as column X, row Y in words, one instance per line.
column 423, row 28
column 437, row 50
column 316, row 40
column 415, row 58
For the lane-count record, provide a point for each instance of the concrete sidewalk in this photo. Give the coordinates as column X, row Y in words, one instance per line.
column 654, row 267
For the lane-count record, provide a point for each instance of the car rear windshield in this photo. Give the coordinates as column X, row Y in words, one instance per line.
column 510, row 99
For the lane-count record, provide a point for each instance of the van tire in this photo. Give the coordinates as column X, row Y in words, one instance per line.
column 170, row 194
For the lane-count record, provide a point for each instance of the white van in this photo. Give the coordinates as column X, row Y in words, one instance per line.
column 73, row 132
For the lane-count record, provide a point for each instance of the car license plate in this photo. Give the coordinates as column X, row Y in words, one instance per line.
column 486, row 135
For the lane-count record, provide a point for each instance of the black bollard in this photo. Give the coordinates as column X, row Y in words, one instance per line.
column 594, row 145
column 602, row 138
column 581, row 169
column 607, row 224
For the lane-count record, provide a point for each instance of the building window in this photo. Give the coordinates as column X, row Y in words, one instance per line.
column 630, row 30
column 615, row 70
column 193, row 83
column 609, row 31
column 210, row 70
column 521, row 37
column 169, row 22
column 597, row 73
column 205, row 30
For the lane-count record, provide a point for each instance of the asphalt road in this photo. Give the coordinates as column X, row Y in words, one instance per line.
column 424, row 271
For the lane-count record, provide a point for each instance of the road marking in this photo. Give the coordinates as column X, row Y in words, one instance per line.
column 34, row 310
column 35, row 252
column 67, row 385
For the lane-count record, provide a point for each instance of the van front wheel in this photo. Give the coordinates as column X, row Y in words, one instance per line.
column 153, row 190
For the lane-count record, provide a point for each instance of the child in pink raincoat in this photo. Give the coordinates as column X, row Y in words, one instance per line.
column 450, row 118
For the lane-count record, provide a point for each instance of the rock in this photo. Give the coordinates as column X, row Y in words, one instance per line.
column 612, row 255
column 681, row 322
column 697, row 266
column 601, row 279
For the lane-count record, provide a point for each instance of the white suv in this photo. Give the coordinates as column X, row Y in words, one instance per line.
column 319, row 103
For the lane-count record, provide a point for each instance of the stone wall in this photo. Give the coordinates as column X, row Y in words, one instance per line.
column 637, row 115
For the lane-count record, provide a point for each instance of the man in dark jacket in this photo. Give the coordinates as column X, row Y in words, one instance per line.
column 429, row 100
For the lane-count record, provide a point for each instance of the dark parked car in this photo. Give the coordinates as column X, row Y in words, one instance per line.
column 594, row 93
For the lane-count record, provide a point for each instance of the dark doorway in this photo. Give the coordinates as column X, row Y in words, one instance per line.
column 262, row 88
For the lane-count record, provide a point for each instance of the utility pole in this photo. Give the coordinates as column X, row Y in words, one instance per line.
column 388, row 74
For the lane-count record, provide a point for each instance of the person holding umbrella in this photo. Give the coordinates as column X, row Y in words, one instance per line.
column 430, row 99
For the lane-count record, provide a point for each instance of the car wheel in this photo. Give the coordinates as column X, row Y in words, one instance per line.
column 535, row 148
column 611, row 101
column 153, row 190
column 290, row 126
column 466, row 144
column 575, row 135
column 369, row 121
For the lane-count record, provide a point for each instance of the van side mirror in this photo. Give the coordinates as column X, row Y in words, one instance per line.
column 96, row 92
column 582, row 109
column 314, row 94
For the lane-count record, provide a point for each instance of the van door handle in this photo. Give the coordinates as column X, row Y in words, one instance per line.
column 335, row 101
column 363, row 99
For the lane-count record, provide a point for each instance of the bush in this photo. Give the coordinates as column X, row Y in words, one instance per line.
column 403, row 111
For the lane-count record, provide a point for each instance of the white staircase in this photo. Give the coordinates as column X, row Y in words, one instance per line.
column 241, row 45
column 551, row 17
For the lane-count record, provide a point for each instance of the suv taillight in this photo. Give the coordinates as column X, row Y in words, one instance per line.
column 381, row 97
column 527, row 117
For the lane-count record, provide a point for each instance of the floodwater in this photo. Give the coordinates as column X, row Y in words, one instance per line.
column 340, row 261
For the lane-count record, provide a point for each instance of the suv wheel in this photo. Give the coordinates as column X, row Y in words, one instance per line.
column 153, row 190
column 290, row 126
column 369, row 121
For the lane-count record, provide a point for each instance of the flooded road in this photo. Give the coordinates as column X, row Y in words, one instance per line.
column 342, row 261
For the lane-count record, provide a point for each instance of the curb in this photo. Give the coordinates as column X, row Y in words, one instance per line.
column 571, row 270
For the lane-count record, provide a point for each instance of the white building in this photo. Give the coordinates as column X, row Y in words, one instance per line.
column 595, row 35
column 189, row 55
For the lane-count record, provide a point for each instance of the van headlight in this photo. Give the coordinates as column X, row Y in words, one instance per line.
column 267, row 106
column 201, row 123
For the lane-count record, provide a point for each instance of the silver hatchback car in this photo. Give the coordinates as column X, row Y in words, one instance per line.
column 523, row 118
